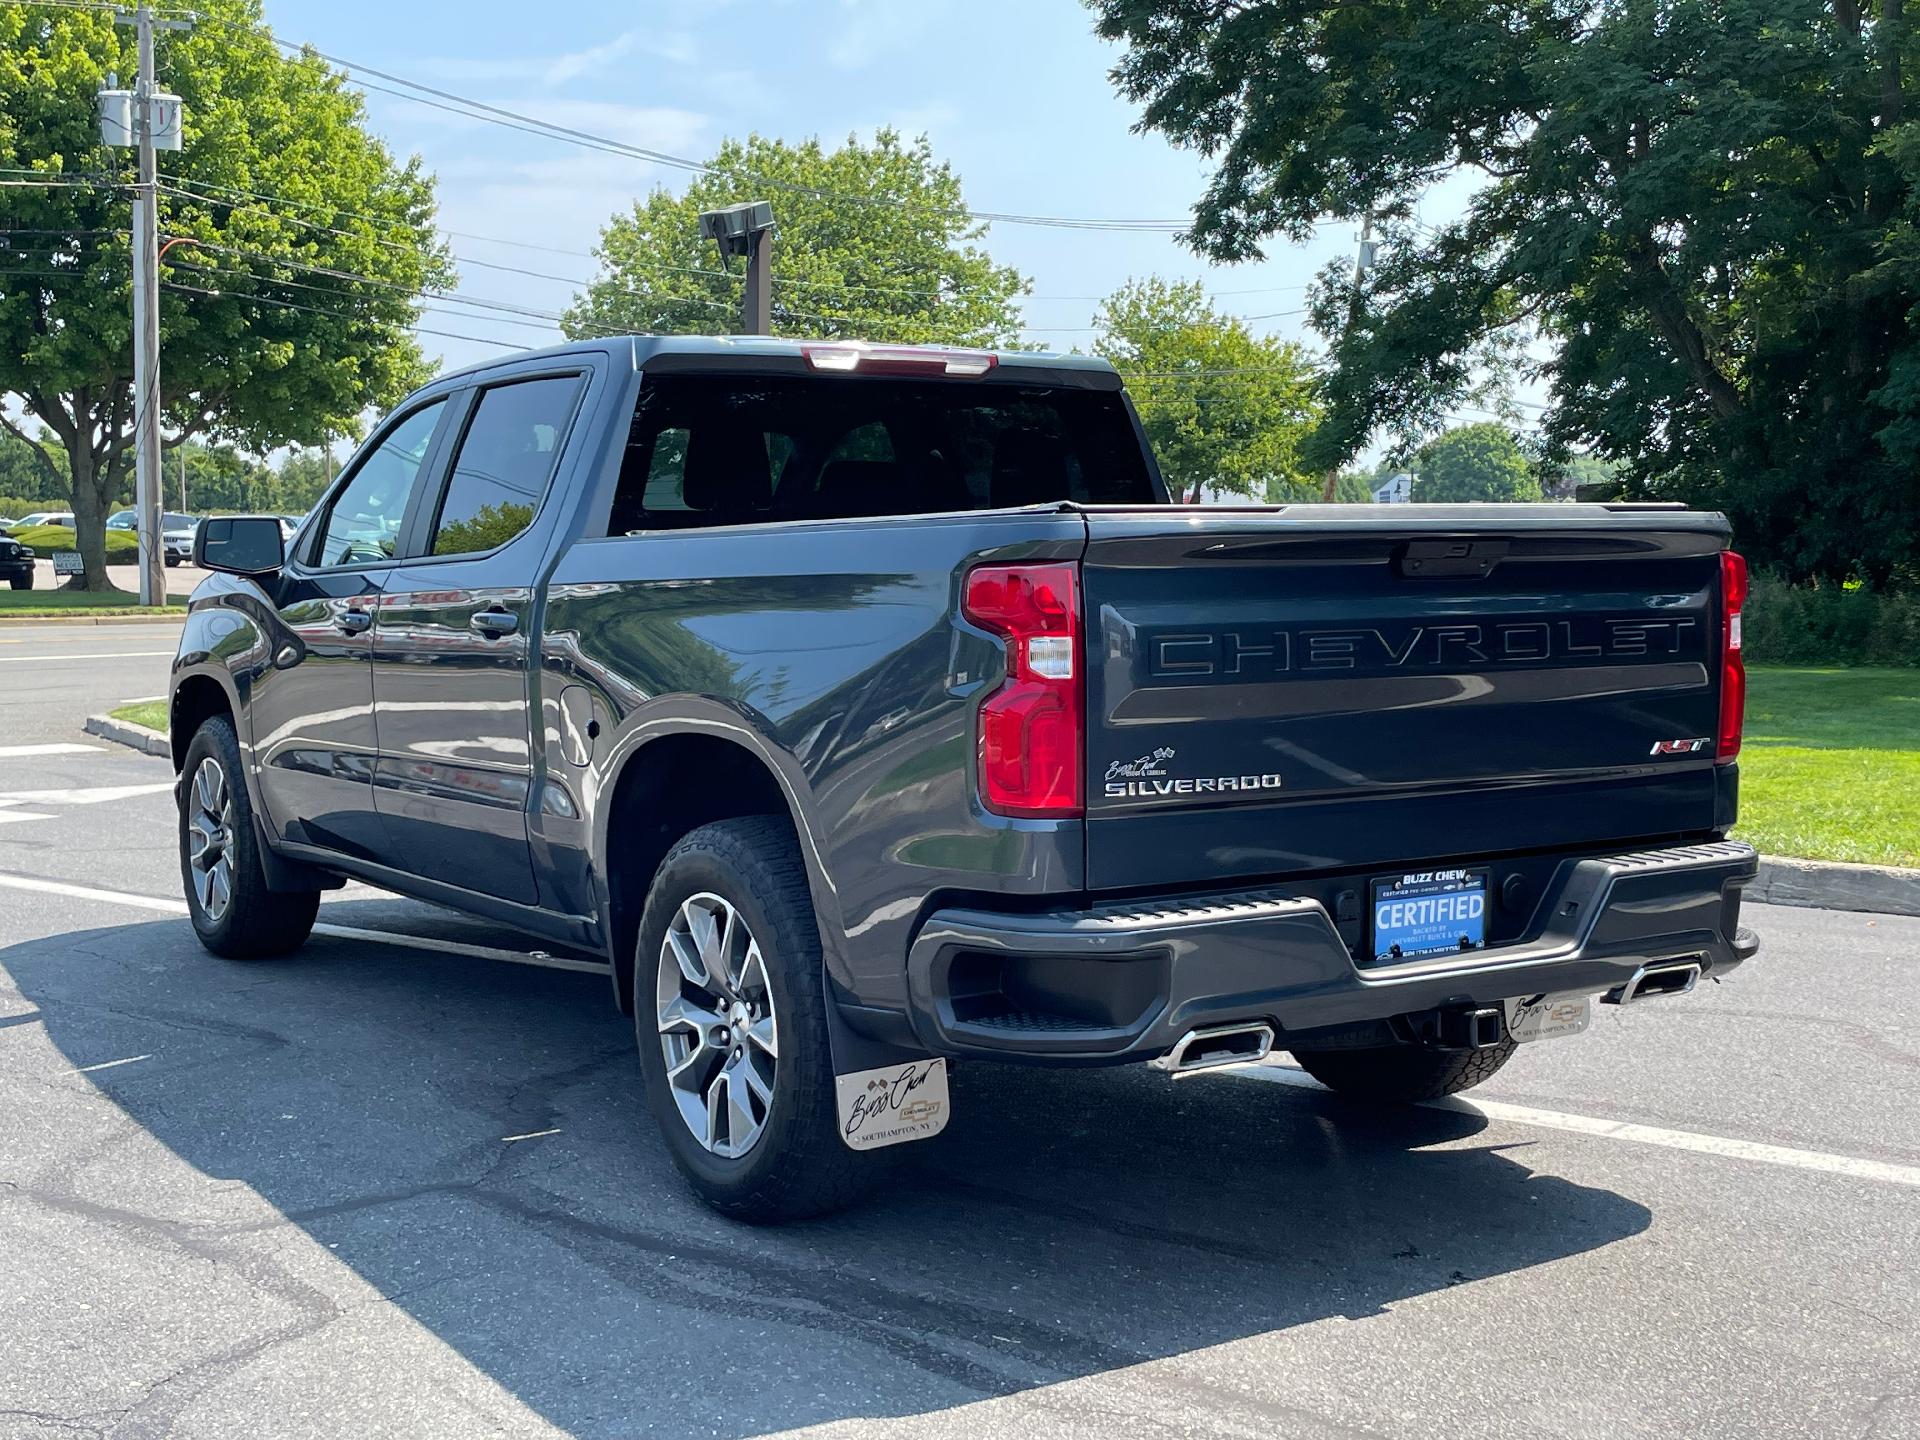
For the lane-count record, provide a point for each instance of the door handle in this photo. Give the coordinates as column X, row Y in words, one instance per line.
column 354, row 622
column 493, row 623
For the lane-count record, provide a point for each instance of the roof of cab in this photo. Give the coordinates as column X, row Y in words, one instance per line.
column 642, row 348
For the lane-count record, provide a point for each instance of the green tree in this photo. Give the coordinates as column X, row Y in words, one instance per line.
column 1712, row 206
column 899, row 264
column 303, row 476
column 1474, row 462
column 1221, row 407
column 240, row 365
column 27, row 468
column 488, row 528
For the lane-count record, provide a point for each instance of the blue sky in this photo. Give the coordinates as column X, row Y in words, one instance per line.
column 1015, row 95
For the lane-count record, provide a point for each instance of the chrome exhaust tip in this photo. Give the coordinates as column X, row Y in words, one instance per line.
column 1651, row 982
column 1216, row 1048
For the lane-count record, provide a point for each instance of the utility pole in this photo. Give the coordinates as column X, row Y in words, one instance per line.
column 747, row 230
column 156, row 123
column 1362, row 262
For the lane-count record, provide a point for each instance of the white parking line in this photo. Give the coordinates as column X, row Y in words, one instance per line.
column 1700, row 1144
column 84, row 795
column 111, row 1064
column 538, row 958
column 1280, row 1074
column 94, row 655
column 15, row 752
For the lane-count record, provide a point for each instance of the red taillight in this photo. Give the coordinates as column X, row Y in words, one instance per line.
column 1030, row 727
column 1733, row 667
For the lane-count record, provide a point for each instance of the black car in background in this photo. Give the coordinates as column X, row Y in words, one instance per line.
column 16, row 562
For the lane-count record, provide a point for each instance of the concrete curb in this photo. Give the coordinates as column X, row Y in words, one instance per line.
column 160, row 619
column 122, row 732
column 1826, row 885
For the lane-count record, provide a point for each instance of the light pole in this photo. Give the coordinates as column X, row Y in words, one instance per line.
column 747, row 230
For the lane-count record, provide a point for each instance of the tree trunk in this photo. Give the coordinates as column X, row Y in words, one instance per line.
column 89, row 519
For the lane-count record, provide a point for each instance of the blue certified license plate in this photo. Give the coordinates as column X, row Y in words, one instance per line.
column 1432, row 912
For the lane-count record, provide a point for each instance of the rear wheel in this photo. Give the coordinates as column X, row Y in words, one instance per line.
column 233, row 911
column 1403, row 1074
column 22, row 582
column 730, row 1010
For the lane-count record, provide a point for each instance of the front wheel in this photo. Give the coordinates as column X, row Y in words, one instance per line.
column 22, row 582
column 1403, row 1074
column 233, row 911
column 730, row 1009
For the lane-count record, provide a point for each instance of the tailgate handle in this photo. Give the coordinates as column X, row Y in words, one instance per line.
column 1444, row 559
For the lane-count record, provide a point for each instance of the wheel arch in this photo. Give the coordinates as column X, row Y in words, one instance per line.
column 197, row 697
column 671, row 776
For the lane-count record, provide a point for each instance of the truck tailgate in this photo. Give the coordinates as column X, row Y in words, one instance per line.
column 1341, row 687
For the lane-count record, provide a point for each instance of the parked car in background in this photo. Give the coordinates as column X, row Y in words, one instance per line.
column 6, row 524
column 45, row 517
column 176, row 536
column 16, row 562
column 124, row 520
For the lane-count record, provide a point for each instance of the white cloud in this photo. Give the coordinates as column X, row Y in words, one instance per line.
column 552, row 71
column 873, row 30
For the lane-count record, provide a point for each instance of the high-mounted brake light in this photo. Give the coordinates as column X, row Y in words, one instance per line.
column 1030, row 727
column 1733, row 666
column 847, row 356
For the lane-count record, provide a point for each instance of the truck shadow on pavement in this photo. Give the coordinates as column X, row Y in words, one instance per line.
column 1068, row 1224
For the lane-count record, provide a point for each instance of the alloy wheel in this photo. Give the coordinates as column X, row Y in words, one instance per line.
column 210, row 838
column 718, row 1031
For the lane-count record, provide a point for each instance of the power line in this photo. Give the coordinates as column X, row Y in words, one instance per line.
column 335, row 314
column 513, row 119
column 794, row 282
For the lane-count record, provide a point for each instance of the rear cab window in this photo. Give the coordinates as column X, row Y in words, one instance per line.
column 712, row 449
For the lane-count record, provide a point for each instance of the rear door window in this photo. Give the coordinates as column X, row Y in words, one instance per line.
column 503, row 465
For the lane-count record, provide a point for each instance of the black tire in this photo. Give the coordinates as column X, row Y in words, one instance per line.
column 798, row 1166
column 1403, row 1074
column 171, row 562
column 24, row 582
column 255, row 922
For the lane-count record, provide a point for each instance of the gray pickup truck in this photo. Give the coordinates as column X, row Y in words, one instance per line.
column 870, row 708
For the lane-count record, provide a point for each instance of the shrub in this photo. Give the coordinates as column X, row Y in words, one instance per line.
column 123, row 546
column 1807, row 625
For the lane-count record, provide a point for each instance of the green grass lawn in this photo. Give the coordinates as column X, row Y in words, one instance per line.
column 77, row 602
column 150, row 713
column 1830, row 768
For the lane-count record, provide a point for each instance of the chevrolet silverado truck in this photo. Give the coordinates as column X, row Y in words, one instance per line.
column 865, row 709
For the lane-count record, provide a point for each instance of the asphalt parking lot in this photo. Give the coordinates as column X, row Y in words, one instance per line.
column 394, row 1185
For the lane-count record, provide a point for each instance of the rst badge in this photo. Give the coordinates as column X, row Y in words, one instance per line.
column 1692, row 746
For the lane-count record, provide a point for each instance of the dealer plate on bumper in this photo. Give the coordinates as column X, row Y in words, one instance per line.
column 1548, row 1017
column 1431, row 912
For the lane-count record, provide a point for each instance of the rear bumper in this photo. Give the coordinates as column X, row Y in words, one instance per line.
column 1124, row 982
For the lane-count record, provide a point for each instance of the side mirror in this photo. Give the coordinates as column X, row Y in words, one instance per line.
column 240, row 544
